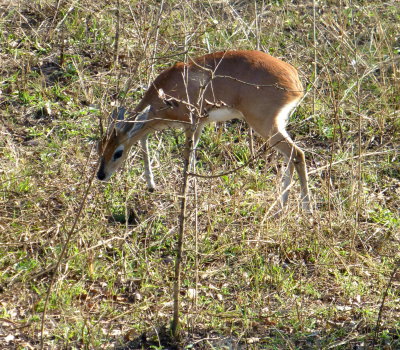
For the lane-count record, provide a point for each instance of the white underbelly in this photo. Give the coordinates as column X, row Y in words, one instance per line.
column 224, row 114
column 215, row 115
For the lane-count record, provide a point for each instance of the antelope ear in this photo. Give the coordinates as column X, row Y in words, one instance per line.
column 144, row 111
column 119, row 116
column 140, row 120
column 115, row 120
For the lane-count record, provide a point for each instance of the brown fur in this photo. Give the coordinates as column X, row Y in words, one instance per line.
column 252, row 83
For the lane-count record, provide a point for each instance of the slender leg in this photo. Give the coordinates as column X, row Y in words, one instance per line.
column 148, row 173
column 287, row 179
column 295, row 158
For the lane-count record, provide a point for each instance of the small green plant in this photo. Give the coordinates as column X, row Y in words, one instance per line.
column 249, row 279
column 385, row 217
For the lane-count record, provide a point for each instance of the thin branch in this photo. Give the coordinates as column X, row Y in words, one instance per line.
column 262, row 151
column 385, row 293
column 350, row 158
column 71, row 232
column 117, row 29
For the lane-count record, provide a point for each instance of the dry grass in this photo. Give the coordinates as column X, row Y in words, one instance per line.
column 300, row 282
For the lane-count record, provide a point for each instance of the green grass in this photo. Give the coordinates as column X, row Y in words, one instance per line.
column 297, row 282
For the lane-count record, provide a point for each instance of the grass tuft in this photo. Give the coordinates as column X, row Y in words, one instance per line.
column 329, row 280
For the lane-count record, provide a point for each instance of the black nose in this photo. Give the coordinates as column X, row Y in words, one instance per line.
column 101, row 175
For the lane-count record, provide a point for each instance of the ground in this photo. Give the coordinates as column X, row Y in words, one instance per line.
column 326, row 280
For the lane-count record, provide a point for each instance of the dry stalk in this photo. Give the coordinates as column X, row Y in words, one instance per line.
column 155, row 48
column 251, row 159
column 315, row 57
column 363, row 155
column 359, row 163
column 188, row 151
column 385, row 293
column 116, row 39
column 181, row 232
column 70, row 234
column 196, row 244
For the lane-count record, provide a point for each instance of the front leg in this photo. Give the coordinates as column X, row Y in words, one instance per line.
column 148, row 173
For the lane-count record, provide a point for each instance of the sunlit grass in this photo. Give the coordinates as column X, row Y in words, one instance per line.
column 300, row 281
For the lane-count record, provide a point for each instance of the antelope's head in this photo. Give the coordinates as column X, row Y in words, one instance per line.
column 114, row 147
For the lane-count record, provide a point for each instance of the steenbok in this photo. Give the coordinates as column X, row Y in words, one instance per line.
column 248, row 85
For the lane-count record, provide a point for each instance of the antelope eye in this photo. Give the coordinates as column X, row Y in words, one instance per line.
column 118, row 154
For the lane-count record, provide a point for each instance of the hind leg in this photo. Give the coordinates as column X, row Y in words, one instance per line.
column 295, row 158
column 287, row 179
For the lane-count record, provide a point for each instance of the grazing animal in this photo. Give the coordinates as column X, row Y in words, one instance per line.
column 248, row 85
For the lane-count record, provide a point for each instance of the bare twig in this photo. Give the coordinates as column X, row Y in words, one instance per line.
column 157, row 31
column 262, row 151
column 385, row 293
column 363, row 155
column 70, row 234
column 182, row 222
column 116, row 39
